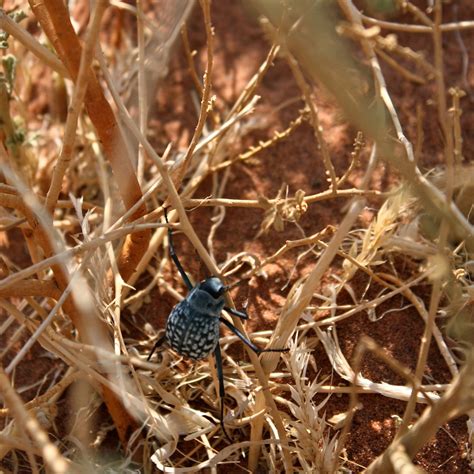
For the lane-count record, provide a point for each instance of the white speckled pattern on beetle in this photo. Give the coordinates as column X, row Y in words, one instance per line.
column 192, row 332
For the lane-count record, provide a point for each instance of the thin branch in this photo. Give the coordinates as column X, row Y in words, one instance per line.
column 65, row 255
column 255, row 203
column 75, row 107
column 54, row 18
column 457, row 400
column 314, row 117
column 30, row 43
column 142, row 89
column 51, row 455
column 445, row 28
column 206, row 101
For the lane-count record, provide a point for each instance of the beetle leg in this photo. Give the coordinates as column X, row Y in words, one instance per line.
column 158, row 343
column 238, row 314
column 220, row 377
column 174, row 257
column 248, row 343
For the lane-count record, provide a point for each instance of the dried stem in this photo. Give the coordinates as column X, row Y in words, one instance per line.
column 255, row 203
column 411, row 76
column 292, row 312
column 67, row 282
column 189, row 57
column 447, row 27
column 254, row 150
column 64, row 159
column 65, row 255
column 364, row 345
column 431, row 197
column 54, row 19
column 31, row 288
column 314, row 117
column 51, row 455
column 455, row 113
column 40, row 51
column 444, row 228
column 142, row 89
column 457, row 400
column 206, row 101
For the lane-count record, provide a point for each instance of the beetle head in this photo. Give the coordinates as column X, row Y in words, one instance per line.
column 214, row 287
column 208, row 297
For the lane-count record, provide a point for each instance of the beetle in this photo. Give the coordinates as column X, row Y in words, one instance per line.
column 192, row 327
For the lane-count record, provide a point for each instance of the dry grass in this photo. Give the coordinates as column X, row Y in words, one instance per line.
column 87, row 253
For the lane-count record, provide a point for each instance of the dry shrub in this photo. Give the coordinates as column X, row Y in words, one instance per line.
column 82, row 190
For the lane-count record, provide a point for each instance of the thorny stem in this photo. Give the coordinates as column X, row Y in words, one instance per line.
column 30, row 43
column 248, row 93
column 206, row 101
column 428, row 194
column 355, row 158
column 54, row 19
column 458, row 399
column 277, row 136
column 365, row 344
column 51, row 454
column 444, row 228
column 255, row 203
column 65, row 157
column 56, row 258
column 318, row 131
column 142, row 89
column 455, row 113
column 189, row 57
column 447, row 27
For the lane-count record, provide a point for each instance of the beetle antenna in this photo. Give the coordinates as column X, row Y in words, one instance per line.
column 173, row 255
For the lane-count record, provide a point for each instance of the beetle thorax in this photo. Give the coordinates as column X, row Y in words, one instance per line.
column 203, row 302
